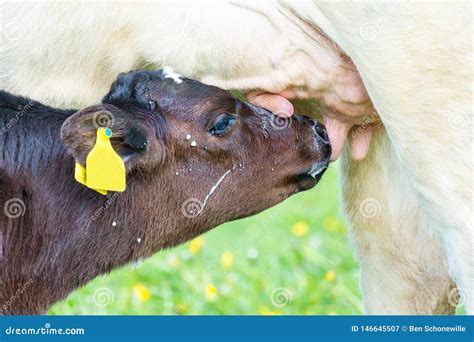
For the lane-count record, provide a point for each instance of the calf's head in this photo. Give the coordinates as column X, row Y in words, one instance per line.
column 197, row 154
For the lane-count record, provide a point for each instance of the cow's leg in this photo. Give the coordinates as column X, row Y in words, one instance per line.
column 437, row 157
column 403, row 267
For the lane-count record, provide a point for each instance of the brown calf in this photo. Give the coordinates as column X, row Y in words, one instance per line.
column 195, row 156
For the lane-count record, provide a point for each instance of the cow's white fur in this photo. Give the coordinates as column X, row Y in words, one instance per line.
column 416, row 63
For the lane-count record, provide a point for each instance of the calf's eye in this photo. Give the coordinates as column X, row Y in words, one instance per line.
column 222, row 124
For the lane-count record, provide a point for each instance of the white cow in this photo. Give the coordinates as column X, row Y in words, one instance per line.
column 408, row 198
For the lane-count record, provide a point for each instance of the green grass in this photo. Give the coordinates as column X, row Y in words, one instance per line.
column 274, row 270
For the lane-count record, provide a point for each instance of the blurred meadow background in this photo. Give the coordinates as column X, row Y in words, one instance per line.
column 292, row 259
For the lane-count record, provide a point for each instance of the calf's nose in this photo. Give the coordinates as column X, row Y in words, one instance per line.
column 318, row 128
column 320, row 131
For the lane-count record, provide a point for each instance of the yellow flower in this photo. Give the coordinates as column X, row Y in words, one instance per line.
column 196, row 245
column 267, row 312
column 141, row 292
column 227, row 259
column 300, row 229
column 173, row 260
column 210, row 292
column 334, row 225
column 331, row 223
column 330, row 276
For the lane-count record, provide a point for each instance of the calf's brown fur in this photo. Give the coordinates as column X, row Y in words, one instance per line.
column 195, row 157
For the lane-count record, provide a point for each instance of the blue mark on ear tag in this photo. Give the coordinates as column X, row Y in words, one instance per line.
column 108, row 132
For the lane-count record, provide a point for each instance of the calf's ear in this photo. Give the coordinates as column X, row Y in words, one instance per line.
column 79, row 131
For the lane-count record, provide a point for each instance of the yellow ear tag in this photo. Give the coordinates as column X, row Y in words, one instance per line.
column 80, row 176
column 105, row 169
